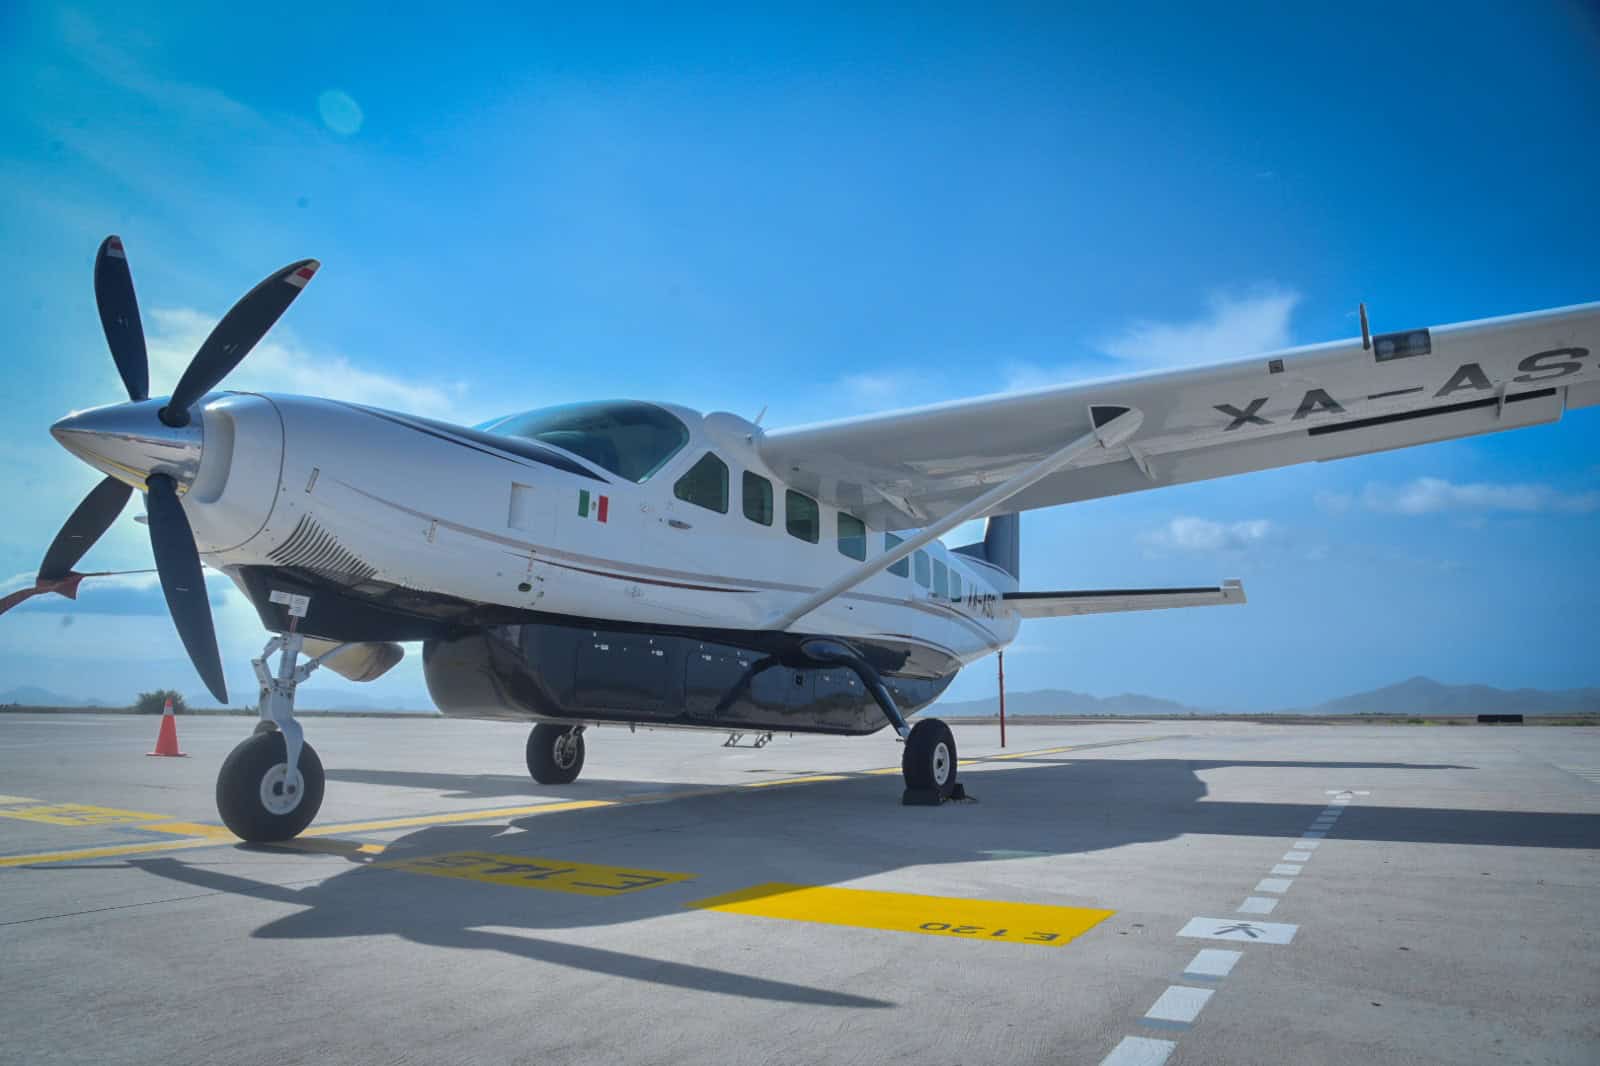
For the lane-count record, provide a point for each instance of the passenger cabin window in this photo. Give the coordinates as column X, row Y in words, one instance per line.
column 705, row 485
column 757, row 498
column 941, row 580
column 632, row 440
column 852, row 536
column 955, row 587
column 922, row 568
column 801, row 517
column 903, row 567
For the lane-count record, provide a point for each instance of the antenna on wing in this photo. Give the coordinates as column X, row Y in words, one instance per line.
column 1366, row 331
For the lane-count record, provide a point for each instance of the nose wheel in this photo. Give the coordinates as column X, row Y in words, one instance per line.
column 259, row 798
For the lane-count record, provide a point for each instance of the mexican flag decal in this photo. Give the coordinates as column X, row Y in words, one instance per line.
column 593, row 507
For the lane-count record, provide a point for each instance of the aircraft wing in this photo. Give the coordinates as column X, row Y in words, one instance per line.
column 1112, row 601
column 1328, row 401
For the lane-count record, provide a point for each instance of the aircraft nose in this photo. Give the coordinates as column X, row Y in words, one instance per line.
column 130, row 442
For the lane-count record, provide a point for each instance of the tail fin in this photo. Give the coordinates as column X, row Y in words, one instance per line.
column 1001, row 544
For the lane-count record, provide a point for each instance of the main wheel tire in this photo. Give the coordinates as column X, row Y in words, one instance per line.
column 555, row 754
column 250, row 789
column 929, row 760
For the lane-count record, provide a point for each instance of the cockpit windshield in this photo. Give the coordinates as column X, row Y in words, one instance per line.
column 630, row 439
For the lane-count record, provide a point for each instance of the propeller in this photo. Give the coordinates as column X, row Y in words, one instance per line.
column 171, row 537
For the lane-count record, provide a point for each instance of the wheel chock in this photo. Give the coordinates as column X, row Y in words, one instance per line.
column 932, row 797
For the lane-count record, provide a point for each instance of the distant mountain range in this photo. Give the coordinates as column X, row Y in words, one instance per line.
column 34, row 696
column 1418, row 696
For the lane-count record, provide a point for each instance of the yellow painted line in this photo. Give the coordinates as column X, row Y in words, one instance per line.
column 77, row 814
column 190, row 829
column 532, row 871
column 7, row 801
column 109, row 852
column 969, row 919
column 330, row 846
column 795, row 780
column 1027, row 754
column 453, row 817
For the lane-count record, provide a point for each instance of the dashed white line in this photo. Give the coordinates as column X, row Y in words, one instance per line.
column 1287, row 869
column 1313, row 834
column 1307, row 845
column 1279, row 885
column 1257, row 905
column 1212, row 964
column 1139, row 1051
column 1297, row 856
column 1179, row 1005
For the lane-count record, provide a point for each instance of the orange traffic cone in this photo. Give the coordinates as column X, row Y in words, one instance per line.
column 167, row 739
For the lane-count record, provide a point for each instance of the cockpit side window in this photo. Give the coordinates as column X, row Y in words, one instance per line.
column 705, row 484
column 630, row 439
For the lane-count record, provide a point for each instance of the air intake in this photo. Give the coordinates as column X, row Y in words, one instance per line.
column 314, row 548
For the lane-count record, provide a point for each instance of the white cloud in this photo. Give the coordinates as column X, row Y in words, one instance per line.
column 879, row 387
column 1433, row 495
column 1234, row 326
column 281, row 364
column 1189, row 534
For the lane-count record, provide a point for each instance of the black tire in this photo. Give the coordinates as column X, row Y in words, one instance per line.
column 555, row 754
column 929, row 760
column 240, row 783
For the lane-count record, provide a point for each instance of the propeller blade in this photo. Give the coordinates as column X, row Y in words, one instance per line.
column 83, row 527
column 245, row 324
column 119, row 317
column 178, row 562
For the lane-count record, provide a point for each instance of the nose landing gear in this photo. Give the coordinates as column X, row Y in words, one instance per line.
column 270, row 786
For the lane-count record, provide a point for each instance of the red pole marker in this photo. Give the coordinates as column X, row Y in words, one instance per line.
column 1000, row 657
column 167, row 739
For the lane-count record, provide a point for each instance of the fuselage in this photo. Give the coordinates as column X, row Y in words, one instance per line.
column 671, row 524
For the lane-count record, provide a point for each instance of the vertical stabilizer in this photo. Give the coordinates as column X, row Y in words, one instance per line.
column 1001, row 544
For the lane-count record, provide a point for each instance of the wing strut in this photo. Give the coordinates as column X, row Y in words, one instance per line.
column 1113, row 425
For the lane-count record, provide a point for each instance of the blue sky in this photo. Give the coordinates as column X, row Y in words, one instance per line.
column 836, row 212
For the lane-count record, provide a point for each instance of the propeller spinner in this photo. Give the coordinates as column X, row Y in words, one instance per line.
column 152, row 445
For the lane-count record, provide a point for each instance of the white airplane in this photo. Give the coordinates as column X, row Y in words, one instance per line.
column 642, row 563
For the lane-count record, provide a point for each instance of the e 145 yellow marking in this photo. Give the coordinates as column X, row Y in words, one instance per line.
column 532, row 871
column 972, row 919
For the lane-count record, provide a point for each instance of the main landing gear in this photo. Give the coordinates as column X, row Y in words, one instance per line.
column 555, row 753
column 929, row 760
column 270, row 786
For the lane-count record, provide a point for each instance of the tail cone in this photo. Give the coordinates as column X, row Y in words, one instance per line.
column 167, row 739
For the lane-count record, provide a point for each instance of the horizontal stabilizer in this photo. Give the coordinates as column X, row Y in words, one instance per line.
column 1110, row 601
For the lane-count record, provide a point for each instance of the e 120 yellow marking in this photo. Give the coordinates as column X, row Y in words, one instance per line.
column 531, row 871
column 973, row 919
column 77, row 814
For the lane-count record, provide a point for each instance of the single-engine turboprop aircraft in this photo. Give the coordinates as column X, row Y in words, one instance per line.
column 642, row 563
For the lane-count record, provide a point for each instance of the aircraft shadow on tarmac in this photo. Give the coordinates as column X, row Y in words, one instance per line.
column 824, row 833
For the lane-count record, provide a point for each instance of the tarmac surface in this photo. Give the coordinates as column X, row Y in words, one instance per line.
column 1125, row 892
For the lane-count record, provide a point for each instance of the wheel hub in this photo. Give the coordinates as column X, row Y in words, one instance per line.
column 279, row 794
column 941, row 763
column 565, row 751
